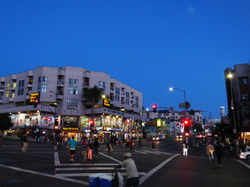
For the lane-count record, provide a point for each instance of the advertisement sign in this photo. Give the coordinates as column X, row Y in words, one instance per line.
column 34, row 96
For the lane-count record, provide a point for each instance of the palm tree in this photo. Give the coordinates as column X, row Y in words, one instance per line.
column 93, row 95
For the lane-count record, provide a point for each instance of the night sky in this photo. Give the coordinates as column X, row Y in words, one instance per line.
column 150, row 45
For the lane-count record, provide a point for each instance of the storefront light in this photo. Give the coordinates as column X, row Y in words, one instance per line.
column 19, row 112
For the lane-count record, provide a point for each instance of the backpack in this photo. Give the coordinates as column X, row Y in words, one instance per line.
column 84, row 142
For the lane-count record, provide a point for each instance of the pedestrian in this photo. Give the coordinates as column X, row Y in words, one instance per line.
column 140, row 146
column 21, row 139
column 1, row 141
column 231, row 149
column 153, row 145
column 72, row 147
column 218, row 152
column 85, row 153
column 200, row 143
column 131, row 143
column 210, row 151
column 25, row 142
column 96, row 147
column 90, row 150
column 185, row 149
column 131, row 169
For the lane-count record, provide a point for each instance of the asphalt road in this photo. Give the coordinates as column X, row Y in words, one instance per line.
column 44, row 165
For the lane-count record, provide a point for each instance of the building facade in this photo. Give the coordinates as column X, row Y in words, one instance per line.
column 60, row 95
column 238, row 92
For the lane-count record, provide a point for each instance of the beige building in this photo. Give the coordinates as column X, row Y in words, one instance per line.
column 60, row 97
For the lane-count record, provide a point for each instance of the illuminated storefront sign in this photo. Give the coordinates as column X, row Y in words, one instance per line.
column 74, row 129
column 106, row 102
column 33, row 97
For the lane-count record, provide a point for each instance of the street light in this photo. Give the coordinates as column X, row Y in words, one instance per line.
column 230, row 76
column 171, row 89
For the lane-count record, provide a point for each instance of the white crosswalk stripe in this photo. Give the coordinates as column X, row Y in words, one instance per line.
column 152, row 152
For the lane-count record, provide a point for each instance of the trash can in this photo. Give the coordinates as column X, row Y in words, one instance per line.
column 94, row 179
column 105, row 181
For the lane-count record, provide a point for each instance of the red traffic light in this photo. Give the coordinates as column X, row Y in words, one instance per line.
column 56, row 127
column 154, row 107
column 187, row 122
column 92, row 122
column 36, row 101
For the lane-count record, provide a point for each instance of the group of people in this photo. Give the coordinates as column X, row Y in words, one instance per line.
column 88, row 148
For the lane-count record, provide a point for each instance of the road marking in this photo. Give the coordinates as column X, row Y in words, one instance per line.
column 154, row 152
column 86, row 168
column 56, row 159
column 45, row 175
column 248, row 166
column 111, row 158
column 140, row 152
column 163, row 153
column 151, row 172
column 87, row 174
column 90, row 164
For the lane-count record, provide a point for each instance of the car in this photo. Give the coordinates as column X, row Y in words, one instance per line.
column 245, row 155
column 162, row 136
column 156, row 138
column 179, row 136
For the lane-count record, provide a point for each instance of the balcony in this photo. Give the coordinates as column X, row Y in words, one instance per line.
column 1, row 90
column 59, row 95
column 86, row 74
column 11, row 99
column 29, row 85
column 2, row 79
column 61, row 72
column 13, row 88
column 30, row 73
column 13, row 76
column 112, row 89
column 132, row 97
column 85, row 84
column 60, row 83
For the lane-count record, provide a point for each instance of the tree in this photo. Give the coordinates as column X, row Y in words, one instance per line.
column 93, row 95
column 223, row 130
column 198, row 127
column 5, row 122
column 191, row 112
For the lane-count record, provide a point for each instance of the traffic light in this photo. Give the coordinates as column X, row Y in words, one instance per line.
column 56, row 124
column 187, row 122
column 92, row 123
column 35, row 103
column 154, row 108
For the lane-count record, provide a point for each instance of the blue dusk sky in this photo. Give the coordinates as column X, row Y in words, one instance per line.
column 150, row 45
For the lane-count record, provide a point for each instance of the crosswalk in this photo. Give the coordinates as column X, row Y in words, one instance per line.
column 81, row 171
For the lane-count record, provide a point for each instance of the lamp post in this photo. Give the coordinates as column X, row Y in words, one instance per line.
column 230, row 76
column 171, row 89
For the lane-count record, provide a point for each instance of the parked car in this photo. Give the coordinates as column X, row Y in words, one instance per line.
column 245, row 155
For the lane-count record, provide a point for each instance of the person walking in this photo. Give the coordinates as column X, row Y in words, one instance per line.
column 153, row 145
column 90, row 151
column 131, row 143
column 131, row 169
column 210, row 151
column 72, row 147
column 85, row 153
column 185, row 149
column 96, row 147
column 140, row 146
column 218, row 152
column 25, row 142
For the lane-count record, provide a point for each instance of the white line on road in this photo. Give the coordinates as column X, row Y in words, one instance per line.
column 44, row 174
column 164, row 153
column 154, row 152
column 90, row 164
column 151, row 172
column 141, row 152
column 111, row 158
column 87, row 174
column 248, row 166
column 86, row 168
column 56, row 159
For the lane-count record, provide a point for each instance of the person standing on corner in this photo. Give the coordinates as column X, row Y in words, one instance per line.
column 185, row 149
column 218, row 152
column 96, row 147
column 72, row 147
column 210, row 151
column 132, row 173
column 25, row 142
column 140, row 146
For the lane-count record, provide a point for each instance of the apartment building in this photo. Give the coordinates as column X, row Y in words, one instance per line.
column 60, row 92
column 238, row 92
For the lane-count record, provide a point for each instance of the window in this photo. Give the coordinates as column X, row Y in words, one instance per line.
column 127, row 98
column 14, row 85
column 244, row 97
column 243, row 80
column 136, row 102
column 72, row 104
column 73, row 86
column 117, row 94
column 20, row 87
column 7, row 94
column 102, row 85
column 42, row 84
column 8, row 86
column 13, row 95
